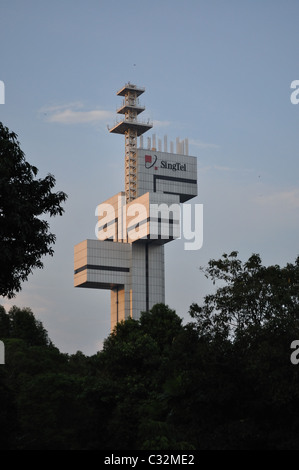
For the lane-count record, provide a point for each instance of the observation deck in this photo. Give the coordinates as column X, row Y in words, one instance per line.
column 129, row 88
column 127, row 124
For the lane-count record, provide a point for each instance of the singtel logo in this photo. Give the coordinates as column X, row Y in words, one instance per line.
column 150, row 161
column 173, row 166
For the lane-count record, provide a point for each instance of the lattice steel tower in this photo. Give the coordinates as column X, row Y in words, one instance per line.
column 131, row 128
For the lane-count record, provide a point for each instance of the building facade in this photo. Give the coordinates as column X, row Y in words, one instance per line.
column 134, row 225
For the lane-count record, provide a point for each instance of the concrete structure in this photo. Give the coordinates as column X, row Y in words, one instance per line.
column 134, row 225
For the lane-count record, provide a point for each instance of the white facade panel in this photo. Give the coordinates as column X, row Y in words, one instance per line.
column 166, row 172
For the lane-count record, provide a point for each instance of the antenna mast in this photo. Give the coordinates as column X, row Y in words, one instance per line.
column 131, row 128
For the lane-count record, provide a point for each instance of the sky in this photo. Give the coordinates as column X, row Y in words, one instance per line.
column 218, row 73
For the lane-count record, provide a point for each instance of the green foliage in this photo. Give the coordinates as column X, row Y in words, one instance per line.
column 221, row 382
column 8, row 413
column 52, row 411
column 4, row 323
column 250, row 295
column 245, row 330
column 21, row 323
column 24, row 237
column 162, row 324
column 136, row 356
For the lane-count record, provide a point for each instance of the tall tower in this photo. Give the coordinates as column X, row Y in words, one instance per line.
column 133, row 226
column 131, row 128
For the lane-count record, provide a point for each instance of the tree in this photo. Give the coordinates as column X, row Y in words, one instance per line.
column 250, row 295
column 137, row 360
column 162, row 324
column 245, row 388
column 21, row 323
column 4, row 323
column 24, row 236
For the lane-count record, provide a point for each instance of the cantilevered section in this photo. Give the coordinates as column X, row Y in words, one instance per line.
column 131, row 108
column 127, row 107
column 125, row 125
column 130, row 88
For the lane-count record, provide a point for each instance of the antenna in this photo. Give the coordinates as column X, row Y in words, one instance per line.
column 154, row 141
column 131, row 128
column 165, row 143
column 177, row 147
column 186, row 146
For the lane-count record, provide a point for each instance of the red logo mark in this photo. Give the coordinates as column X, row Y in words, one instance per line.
column 149, row 161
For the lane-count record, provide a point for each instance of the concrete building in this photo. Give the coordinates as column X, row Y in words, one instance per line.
column 134, row 225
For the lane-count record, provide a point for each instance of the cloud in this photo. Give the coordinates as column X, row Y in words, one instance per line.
column 60, row 107
column 72, row 114
column 77, row 117
column 287, row 199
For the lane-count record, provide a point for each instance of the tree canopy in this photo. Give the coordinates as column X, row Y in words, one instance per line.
column 24, row 199
column 21, row 323
column 247, row 294
column 223, row 381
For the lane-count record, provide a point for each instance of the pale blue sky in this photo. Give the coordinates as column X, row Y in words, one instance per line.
column 217, row 72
